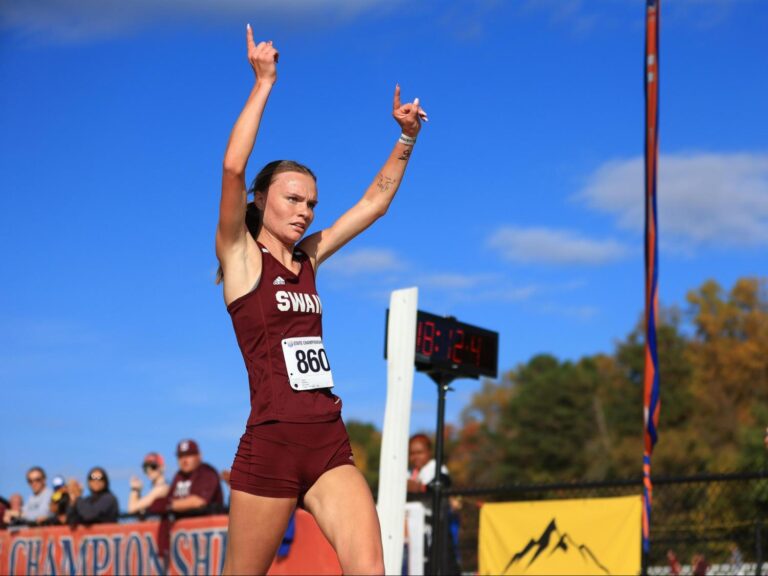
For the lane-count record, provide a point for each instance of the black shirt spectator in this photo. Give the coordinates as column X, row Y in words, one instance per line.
column 97, row 508
column 60, row 502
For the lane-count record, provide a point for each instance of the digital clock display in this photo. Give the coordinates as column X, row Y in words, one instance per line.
column 447, row 345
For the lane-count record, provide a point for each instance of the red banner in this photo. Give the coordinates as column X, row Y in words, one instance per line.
column 196, row 548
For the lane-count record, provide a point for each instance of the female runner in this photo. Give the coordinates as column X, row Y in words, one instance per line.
column 295, row 449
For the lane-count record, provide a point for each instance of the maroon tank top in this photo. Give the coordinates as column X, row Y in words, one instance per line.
column 283, row 305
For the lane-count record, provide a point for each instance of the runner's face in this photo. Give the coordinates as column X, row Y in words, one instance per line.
column 289, row 207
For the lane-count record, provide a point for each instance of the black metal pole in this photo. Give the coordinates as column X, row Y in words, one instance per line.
column 759, row 546
column 643, row 562
column 759, row 521
column 442, row 381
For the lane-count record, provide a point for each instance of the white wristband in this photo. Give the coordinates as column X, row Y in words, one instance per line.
column 407, row 140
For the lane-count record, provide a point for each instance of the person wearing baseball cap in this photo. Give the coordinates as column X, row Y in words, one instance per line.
column 153, row 501
column 195, row 489
column 187, row 448
column 60, row 502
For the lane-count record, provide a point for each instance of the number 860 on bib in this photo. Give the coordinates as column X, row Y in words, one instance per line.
column 307, row 363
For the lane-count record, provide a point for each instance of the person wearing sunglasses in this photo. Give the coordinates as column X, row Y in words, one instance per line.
column 152, row 501
column 100, row 506
column 35, row 510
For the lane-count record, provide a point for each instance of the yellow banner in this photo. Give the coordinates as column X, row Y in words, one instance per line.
column 569, row 537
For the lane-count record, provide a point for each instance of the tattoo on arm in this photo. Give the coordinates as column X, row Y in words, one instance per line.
column 385, row 183
column 406, row 154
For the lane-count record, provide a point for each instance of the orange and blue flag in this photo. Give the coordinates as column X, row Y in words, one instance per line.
column 651, row 403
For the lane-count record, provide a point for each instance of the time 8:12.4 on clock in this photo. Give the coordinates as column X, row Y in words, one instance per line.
column 444, row 343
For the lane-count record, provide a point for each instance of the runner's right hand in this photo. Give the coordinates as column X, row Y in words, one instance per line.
column 263, row 58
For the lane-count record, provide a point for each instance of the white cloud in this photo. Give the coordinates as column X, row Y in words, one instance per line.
column 81, row 20
column 584, row 16
column 511, row 293
column 453, row 281
column 702, row 198
column 552, row 246
column 573, row 13
column 583, row 313
column 364, row 261
column 505, row 291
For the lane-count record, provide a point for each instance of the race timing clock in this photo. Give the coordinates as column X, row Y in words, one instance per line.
column 443, row 344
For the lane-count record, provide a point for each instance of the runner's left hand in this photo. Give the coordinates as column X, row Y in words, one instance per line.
column 408, row 115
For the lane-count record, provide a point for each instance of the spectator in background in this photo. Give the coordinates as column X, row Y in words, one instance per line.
column 74, row 488
column 59, row 505
column 35, row 509
column 674, row 564
column 99, row 507
column 765, row 443
column 154, row 500
column 4, row 505
column 422, row 472
column 420, row 480
column 58, row 483
column 699, row 565
column 12, row 512
column 736, row 560
column 195, row 489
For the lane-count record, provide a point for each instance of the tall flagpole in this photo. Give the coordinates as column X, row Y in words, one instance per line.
column 651, row 403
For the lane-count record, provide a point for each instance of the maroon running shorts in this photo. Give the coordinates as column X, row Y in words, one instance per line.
column 284, row 459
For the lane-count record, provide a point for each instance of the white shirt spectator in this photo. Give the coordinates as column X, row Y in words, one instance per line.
column 37, row 506
column 427, row 473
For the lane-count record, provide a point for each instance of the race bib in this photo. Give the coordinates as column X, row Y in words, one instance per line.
column 307, row 363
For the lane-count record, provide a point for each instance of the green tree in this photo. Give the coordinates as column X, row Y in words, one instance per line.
column 475, row 448
column 621, row 387
column 549, row 421
column 729, row 357
column 365, row 440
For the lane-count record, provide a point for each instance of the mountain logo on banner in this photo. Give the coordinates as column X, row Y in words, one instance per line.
column 551, row 542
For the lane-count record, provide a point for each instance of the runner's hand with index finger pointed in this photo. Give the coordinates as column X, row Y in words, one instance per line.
column 408, row 115
column 263, row 57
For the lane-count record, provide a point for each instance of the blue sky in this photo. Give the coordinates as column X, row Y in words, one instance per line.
column 521, row 210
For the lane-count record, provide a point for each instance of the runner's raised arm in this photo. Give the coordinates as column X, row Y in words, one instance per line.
column 231, row 233
column 377, row 198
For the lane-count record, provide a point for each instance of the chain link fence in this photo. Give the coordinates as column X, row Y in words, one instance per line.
column 717, row 520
